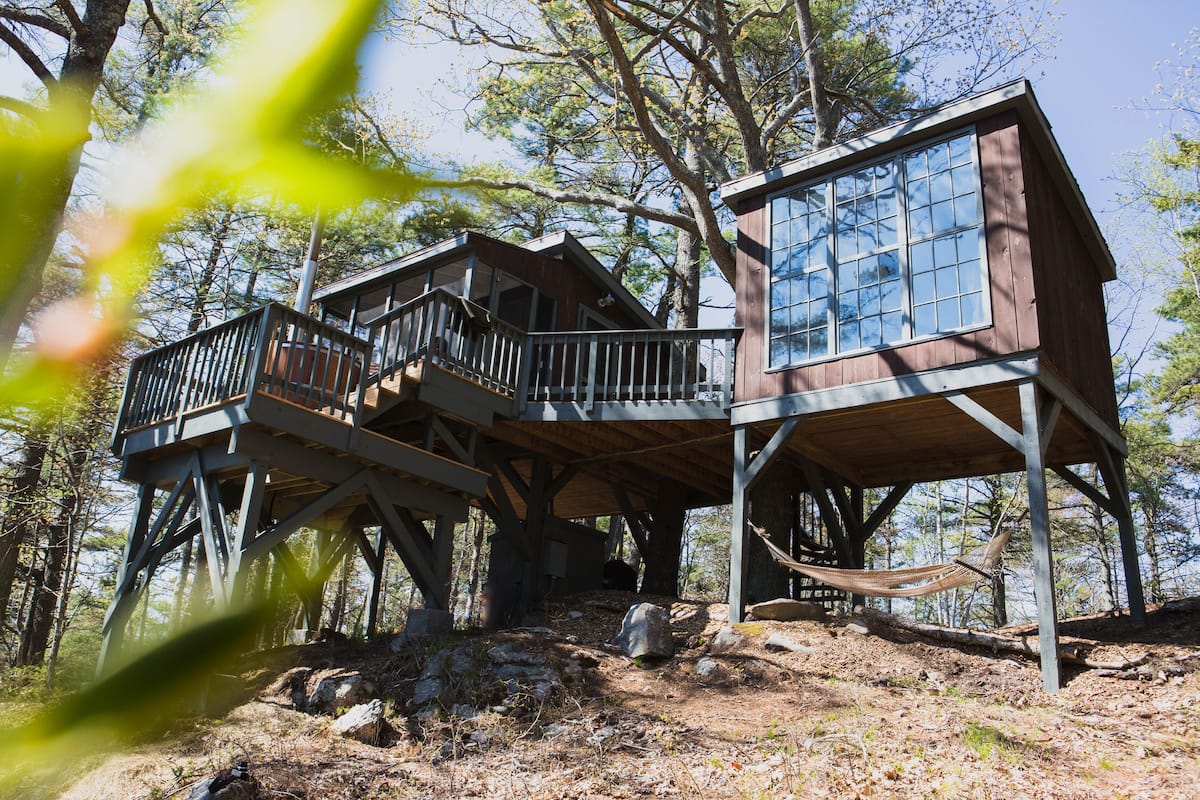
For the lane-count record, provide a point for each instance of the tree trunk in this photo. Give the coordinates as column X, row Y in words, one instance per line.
column 772, row 510
column 209, row 274
column 19, row 510
column 824, row 122
column 664, row 540
column 36, row 636
column 185, row 568
column 69, row 98
column 473, row 571
column 999, row 596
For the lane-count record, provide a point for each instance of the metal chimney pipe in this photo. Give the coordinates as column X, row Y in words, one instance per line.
column 308, row 273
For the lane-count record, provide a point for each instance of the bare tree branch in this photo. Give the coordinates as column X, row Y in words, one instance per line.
column 71, row 14
column 26, row 54
column 153, row 17
column 24, row 17
column 691, row 182
column 20, row 106
column 616, row 202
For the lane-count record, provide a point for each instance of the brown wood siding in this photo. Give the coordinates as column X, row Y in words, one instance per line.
column 1014, row 316
column 1070, row 297
column 567, row 283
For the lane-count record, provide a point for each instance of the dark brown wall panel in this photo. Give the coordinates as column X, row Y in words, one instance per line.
column 1014, row 314
column 1070, row 298
column 566, row 283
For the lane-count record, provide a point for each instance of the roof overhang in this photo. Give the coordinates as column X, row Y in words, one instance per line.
column 445, row 249
column 563, row 242
column 1016, row 96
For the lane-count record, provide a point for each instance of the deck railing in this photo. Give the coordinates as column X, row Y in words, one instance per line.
column 272, row 349
column 589, row 367
column 450, row 332
column 279, row 352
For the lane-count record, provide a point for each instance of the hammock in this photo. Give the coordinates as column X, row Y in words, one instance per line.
column 894, row 582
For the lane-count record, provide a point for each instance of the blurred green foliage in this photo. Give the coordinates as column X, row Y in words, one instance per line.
column 245, row 134
column 241, row 134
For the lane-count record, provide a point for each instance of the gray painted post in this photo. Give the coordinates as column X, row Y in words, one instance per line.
column 739, row 539
column 247, row 525
column 1039, row 521
column 376, row 582
column 123, row 603
column 443, row 555
column 1129, row 552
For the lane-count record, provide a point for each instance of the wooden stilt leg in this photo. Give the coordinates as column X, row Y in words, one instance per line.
column 739, row 536
column 1039, row 520
column 376, row 583
column 125, row 601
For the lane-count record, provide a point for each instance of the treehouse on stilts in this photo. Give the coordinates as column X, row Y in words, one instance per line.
column 921, row 303
column 925, row 303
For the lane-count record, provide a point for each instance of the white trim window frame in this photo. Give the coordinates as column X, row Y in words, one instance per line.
column 878, row 256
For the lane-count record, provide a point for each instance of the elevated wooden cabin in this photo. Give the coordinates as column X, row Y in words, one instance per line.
column 926, row 302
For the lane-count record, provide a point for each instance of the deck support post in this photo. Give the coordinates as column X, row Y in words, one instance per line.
column 249, row 518
column 376, row 582
column 1038, row 420
column 125, row 599
column 1039, row 523
column 443, row 556
column 739, row 540
column 1112, row 469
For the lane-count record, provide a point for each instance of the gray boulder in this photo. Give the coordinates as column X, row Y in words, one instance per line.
column 778, row 641
column 707, row 668
column 425, row 690
column 364, row 722
column 340, row 691
column 787, row 610
column 646, row 631
column 726, row 639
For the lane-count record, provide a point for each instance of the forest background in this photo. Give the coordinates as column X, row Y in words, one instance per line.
column 625, row 160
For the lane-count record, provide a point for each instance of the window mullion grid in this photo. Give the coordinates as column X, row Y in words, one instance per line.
column 984, row 262
column 831, row 283
column 906, row 300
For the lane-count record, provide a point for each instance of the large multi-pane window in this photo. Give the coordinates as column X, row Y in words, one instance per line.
column 878, row 256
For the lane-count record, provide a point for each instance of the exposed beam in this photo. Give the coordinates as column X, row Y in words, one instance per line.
column 268, row 539
column 887, row 506
column 209, row 533
column 760, row 461
column 887, row 390
column 1060, row 389
column 987, row 419
column 1048, row 420
column 822, row 457
column 286, row 455
column 1087, row 490
column 658, row 448
column 249, row 517
column 829, row 515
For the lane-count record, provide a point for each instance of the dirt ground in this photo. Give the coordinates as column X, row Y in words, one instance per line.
column 876, row 715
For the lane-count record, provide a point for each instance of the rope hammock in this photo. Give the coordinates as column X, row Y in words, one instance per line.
column 895, row 582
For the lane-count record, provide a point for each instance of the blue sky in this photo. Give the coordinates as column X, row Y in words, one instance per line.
column 1102, row 75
